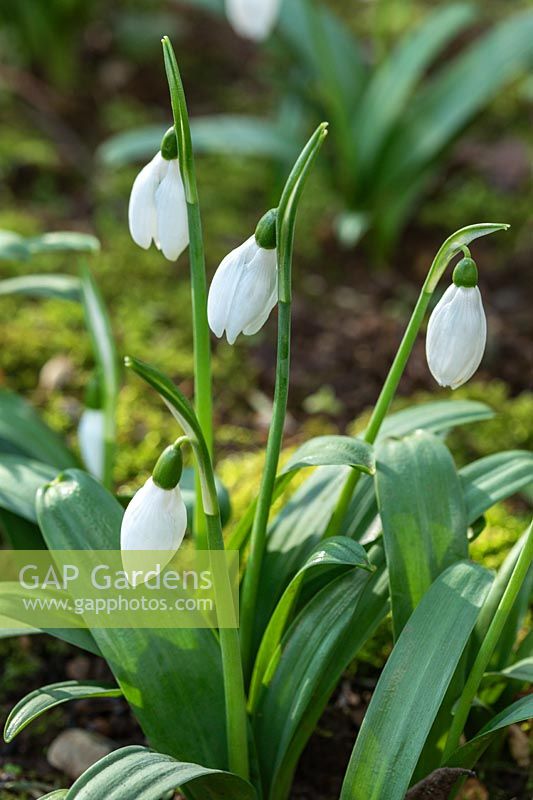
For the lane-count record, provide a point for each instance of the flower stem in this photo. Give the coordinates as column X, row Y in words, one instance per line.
column 451, row 247
column 490, row 641
column 259, row 526
column 286, row 220
column 202, row 345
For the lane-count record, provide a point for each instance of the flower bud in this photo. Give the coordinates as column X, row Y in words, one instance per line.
column 457, row 329
column 158, row 208
column 253, row 19
column 245, row 288
column 91, row 429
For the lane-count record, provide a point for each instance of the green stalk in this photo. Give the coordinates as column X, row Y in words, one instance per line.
column 490, row 641
column 286, row 219
column 234, row 693
column 451, row 247
column 202, row 345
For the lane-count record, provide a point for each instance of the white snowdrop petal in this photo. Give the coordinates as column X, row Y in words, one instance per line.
column 223, row 286
column 155, row 519
column 253, row 19
column 253, row 293
column 91, row 440
column 456, row 337
column 142, row 216
column 171, row 209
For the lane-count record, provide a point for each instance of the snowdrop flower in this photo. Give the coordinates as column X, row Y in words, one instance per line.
column 158, row 209
column 245, row 287
column 457, row 329
column 156, row 518
column 91, row 430
column 253, row 19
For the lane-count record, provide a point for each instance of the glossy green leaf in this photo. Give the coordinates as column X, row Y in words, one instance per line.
column 519, row 671
column 333, row 450
column 135, row 772
column 469, row 753
column 14, row 247
column 300, row 525
column 23, row 429
column 20, row 478
column 58, row 794
column 59, row 287
column 320, row 643
column 105, row 355
column 413, row 684
column 502, row 653
column 493, row 478
column 336, row 554
column 172, row 678
column 423, row 516
column 41, row 700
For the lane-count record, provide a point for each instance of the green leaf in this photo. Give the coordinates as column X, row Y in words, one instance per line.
column 300, row 525
column 333, row 450
column 20, row 478
column 61, row 287
column 455, row 95
column 172, row 678
column 103, row 344
column 493, row 478
column 423, row 516
column 393, row 81
column 232, row 134
column 23, row 429
column 413, row 684
column 140, row 773
column 41, row 700
column 320, row 643
column 519, row 671
column 336, row 554
column 469, row 753
column 58, row 794
column 14, row 247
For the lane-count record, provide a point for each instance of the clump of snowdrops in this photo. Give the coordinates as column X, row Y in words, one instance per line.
column 380, row 527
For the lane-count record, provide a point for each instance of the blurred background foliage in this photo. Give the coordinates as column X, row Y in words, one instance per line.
column 75, row 74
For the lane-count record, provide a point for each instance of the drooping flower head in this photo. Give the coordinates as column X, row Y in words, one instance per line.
column 158, row 209
column 245, row 287
column 91, row 429
column 457, row 329
column 156, row 517
column 253, row 19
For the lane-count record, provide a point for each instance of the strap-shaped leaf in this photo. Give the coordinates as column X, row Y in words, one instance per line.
column 135, row 772
column 336, row 554
column 58, row 794
column 23, row 429
column 423, row 516
column 333, row 450
column 20, row 478
column 59, row 287
column 19, row 248
column 47, row 697
column 172, row 678
column 20, row 533
column 413, row 684
column 493, row 478
column 519, row 671
column 300, row 525
column 99, row 326
column 323, row 639
column 469, row 753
